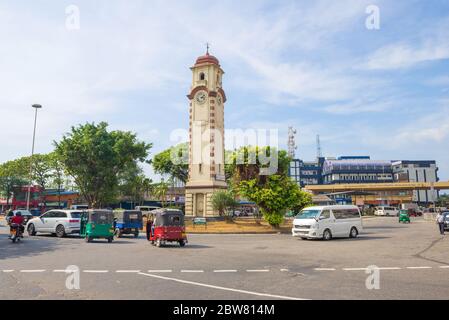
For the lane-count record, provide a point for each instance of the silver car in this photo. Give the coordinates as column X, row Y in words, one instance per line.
column 58, row 222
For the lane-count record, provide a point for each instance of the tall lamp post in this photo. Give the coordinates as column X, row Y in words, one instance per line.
column 36, row 107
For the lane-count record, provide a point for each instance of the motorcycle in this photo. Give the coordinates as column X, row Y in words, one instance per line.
column 16, row 232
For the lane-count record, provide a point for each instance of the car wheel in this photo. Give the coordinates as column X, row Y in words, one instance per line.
column 353, row 233
column 158, row 242
column 60, row 231
column 327, row 235
column 31, row 230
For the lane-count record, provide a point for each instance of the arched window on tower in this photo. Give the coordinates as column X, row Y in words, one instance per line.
column 202, row 76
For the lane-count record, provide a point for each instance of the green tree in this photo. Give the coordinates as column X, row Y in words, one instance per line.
column 274, row 197
column 223, row 201
column 12, row 175
column 173, row 162
column 160, row 190
column 95, row 157
column 134, row 184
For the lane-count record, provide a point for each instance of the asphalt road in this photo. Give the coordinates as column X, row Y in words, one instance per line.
column 413, row 263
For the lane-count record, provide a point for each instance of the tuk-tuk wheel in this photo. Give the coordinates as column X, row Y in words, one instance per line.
column 110, row 239
column 136, row 234
column 118, row 233
column 89, row 239
column 182, row 243
column 158, row 242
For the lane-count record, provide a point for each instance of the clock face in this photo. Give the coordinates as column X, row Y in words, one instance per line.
column 201, row 97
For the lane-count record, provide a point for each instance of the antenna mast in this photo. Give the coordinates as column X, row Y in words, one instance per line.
column 319, row 153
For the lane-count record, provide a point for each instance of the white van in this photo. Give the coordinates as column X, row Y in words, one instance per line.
column 327, row 222
column 386, row 211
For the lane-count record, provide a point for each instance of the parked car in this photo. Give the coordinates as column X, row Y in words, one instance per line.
column 58, row 222
column 79, row 207
column 146, row 209
column 327, row 222
column 25, row 214
column 386, row 211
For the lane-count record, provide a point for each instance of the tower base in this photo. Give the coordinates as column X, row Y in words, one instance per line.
column 198, row 201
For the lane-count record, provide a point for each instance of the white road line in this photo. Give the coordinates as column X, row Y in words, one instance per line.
column 159, row 271
column 389, row 268
column 221, row 288
column 355, row 269
column 192, row 271
column 419, row 267
column 127, row 271
column 284, row 270
column 262, row 270
column 224, row 271
column 62, row 271
column 325, row 269
column 8, row 271
column 95, row 271
column 32, row 271
column 444, row 267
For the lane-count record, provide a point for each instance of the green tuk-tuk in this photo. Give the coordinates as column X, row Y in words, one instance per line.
column 404, row 216
column 97, row 224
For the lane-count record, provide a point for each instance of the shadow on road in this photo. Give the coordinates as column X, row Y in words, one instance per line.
column 26, row 247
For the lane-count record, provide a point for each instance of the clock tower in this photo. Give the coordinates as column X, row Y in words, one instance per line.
column 206, row 142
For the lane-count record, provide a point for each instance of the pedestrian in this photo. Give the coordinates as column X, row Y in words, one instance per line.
column 440, row 222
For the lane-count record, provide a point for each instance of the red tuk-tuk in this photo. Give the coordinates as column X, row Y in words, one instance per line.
column 166, row 225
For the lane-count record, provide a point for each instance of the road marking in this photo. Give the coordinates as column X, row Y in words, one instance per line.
column 127, row 271
column 32, row 271
column 8, row 271
column 389, row 268
column 284, row 270
column 325, row 269
column 355, row 269
column 221, row 288
column 419, row 267
column 62, row 271
column 224, row 271
column 95, row 271
column 192, row 271
column 159, row 271
column 444, row 267
column 261, row 270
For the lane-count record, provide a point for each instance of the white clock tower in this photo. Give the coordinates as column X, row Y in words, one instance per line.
column 206, row 148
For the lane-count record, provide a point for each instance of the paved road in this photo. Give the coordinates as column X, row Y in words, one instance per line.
column 413, row 261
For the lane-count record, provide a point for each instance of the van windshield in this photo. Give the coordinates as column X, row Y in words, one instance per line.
column 308, row 214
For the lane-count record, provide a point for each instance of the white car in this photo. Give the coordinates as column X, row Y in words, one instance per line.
column 26, row 214
column 59, row 222
column 327, row 222
column 386, row 211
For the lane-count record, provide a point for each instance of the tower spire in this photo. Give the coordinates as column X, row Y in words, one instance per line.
column 207, row 48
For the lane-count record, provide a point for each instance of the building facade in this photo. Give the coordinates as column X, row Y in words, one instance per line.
column 417, row 171
column 206, row 141
column 357, row 171
column 306, row 172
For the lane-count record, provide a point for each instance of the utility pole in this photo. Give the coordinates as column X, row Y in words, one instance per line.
column 36, row 107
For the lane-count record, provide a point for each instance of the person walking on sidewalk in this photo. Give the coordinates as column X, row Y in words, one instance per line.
column 440, row 222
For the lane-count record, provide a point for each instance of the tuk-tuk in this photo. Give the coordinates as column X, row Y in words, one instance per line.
column 127, row 222
column 96, row 224
column 404, row 216
column 166, row 225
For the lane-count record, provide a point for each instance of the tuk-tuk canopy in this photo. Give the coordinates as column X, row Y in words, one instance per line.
column 101, row 216
column 128, row 216
column 168, row 217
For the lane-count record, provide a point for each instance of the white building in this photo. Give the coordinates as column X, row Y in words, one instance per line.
column 417, row 171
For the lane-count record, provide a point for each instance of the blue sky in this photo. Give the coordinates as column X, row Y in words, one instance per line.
column 309, row 64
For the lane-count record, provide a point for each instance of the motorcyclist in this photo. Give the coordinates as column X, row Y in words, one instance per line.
column 17, row 222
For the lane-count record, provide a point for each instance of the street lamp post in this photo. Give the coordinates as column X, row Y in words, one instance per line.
column 36, row 107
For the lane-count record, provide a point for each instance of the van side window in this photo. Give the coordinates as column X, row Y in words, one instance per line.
column 326, row 214
column 339, row 214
